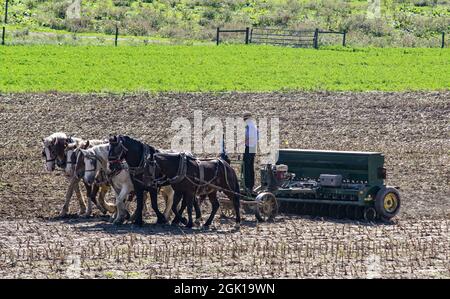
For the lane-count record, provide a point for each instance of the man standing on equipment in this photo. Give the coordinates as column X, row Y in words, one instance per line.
column 251, row 142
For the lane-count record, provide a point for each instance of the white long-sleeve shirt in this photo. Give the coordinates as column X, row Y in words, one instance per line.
column 251, row 135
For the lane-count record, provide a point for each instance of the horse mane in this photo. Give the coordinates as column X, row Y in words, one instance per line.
column 79, row 144
column 152, row 149
column 100, row 151
column 95, row 142
column 57, row 135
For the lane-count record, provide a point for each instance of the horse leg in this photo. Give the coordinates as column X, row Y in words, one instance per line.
column 237, row 206
column 190, row 202
column 154, row 201
column 73, row 185
column 91, row 192
column 182, row 206
column 81, row 200
column 214, row 207
column 139, row 205
column 102, row 205
column 144, row 207
column 198, row 212
column 176, row 200
column 120, row 207
column 168, row 198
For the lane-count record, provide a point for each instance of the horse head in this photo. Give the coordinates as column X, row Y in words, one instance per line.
column 87, row 165
column 70, row 150
column 54, row 150
column 117, row 152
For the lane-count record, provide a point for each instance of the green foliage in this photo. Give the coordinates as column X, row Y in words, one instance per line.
column 223, row 68
column 195, row 19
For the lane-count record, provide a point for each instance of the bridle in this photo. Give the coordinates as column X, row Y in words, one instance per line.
column 118, row 158
column 70, row 160
column 94, row 160
column 54, row 155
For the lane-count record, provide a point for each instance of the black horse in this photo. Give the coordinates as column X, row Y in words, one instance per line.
column 136, row 155
column 193, row 177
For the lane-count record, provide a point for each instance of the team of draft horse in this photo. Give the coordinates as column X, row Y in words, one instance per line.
column 134, row 169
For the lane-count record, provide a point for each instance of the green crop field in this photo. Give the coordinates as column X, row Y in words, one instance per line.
column 223, row 68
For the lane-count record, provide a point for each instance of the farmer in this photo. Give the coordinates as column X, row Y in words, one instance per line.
column 251, row 141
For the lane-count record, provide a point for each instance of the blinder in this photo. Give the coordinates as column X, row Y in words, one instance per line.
column 120, row 156
column 94, row 163
column 73, row 158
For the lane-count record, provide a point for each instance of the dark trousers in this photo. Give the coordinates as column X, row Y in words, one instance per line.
column 249, row 170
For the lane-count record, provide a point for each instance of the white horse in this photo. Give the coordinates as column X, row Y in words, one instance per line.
column 71, row 164
column 55, row 154
column 96, row 160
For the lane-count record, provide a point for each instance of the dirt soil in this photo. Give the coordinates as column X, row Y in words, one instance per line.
column 411, row 129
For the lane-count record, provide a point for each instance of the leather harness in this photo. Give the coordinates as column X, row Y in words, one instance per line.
column 147, row 167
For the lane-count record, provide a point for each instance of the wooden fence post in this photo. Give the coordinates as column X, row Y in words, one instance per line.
column 117, row 35
column 247, row 33
column 316, row 38
column 443, row 40
column 218, row 36
column 343, row 38
column 6, row 21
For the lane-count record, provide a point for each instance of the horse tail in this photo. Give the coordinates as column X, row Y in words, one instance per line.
column 237, row 189
column 231, row 179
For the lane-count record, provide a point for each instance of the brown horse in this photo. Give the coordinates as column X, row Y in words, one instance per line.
column 191, row 177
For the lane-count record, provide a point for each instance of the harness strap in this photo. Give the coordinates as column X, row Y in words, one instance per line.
column 202, row 184
column 182, row 170
column 146, row 156
column 225, row 172
column 201, row 170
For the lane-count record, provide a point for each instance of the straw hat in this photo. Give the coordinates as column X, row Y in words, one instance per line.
column 247, row 115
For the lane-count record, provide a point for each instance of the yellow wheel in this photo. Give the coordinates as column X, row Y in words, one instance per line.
column 387, row 202
column 390, row 202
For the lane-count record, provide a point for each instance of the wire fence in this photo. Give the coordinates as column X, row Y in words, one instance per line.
column 12, row 34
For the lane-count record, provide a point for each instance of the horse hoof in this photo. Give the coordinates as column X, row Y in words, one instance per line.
column 63, row 213
column 139, row 222
column 197, row 221
column 117, row 222
column 161, row 221
column 189, row 225
column 237, row 226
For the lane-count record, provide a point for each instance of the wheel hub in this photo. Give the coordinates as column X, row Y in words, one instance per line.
column 390, row 202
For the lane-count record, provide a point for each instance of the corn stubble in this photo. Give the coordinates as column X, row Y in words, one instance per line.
column 409, row 128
